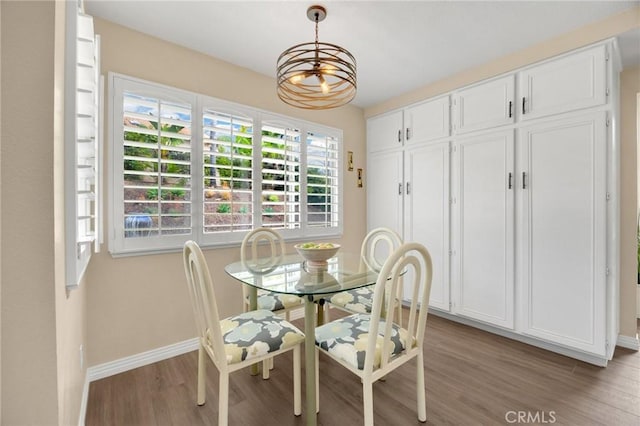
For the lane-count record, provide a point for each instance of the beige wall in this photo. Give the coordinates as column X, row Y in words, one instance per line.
column 629, row 89
column 606, row 28
column 139, row 303
column 42, row 325
column 29, row 383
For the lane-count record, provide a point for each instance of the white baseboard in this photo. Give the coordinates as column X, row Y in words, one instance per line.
column 572, row 353
column 628, row 342
column 145, row 358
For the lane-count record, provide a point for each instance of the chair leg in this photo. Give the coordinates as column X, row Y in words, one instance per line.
column 297, row 382
column 271, row 363
column 202, row 375
column 421, row 396
column 317, row 380
column 367, row 397
column 223, row 399
column 265, row 368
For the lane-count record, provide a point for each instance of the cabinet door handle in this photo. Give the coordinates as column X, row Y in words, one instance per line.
column 407, row 133
column 510, row 108
column 408, row 190
column 399, row 135
column 523, row 102
column 400, row 188
column 510, row 180
column 524, row 182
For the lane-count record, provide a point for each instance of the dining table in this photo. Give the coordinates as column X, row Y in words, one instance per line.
column 291, row 274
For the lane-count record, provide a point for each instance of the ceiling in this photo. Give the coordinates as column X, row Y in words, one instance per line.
column 399, row 45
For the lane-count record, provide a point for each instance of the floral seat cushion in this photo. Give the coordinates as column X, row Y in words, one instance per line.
column 358, row 300
column 256, row 333
column 347, row 339
column 276, row 301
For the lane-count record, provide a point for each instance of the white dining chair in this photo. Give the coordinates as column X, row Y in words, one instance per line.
column 261, row 248
column 350, row 342
column 377, row 245
column 238, row 341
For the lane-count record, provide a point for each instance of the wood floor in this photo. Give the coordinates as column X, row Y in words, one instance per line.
column 472, row 378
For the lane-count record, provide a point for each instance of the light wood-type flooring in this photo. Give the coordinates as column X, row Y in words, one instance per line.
column 472, row 378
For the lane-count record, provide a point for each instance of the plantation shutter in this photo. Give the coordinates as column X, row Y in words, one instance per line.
column 322, row 181
column 227, row 172
column 157, row 166
column 281, row 155
column 82, row 179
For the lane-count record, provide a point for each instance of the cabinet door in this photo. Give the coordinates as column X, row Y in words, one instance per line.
column 384, row 191
column 484, row 259
column 485, row 105
column 427, row 212
column 384, row 132
column 563, row 227
column 427, row 121
column 565, row 84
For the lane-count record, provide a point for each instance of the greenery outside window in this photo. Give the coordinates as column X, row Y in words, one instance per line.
column 188, row 166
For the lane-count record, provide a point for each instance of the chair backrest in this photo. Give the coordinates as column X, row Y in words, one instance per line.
column 413, row 262
column 262, row 247
column 203, row 301
column 377, row 246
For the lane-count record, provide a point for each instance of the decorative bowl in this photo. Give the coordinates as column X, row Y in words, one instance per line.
column 317, row 255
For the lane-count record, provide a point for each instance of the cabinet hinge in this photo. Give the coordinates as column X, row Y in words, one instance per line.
column 607, row 271
column 606, row 56
column 608, row 196
column 608, row 122
column 452, row 200
column 607, row 92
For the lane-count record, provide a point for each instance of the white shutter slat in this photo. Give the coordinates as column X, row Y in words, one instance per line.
column 228, row 168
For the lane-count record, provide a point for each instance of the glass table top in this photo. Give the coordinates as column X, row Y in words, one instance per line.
column 290, row 274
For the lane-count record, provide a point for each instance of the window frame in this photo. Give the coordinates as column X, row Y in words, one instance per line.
column 119, row 245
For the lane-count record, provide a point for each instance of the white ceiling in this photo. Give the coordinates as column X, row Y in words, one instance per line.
column 399, row 45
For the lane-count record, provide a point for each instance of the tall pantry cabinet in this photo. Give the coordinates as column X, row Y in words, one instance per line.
column 408, row 184
column 516, row 198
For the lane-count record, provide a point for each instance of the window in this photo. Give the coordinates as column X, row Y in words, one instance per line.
column 188, row 166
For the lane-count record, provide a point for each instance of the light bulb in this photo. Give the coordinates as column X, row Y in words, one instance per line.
column 323, row 84
column 329, row 69
column 297, row 78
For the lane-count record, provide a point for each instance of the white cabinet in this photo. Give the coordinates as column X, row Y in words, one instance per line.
column 484, row 260
column 569, row 83
column 385, row 132
column 384, row 190
column 419, row 123
column 518, row 207
column 427, row 121
column 563, row 231
column 408, row 186
column 485, row 105
column 426, row 212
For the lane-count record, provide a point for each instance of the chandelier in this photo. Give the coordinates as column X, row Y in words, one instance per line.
column 316, row 75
